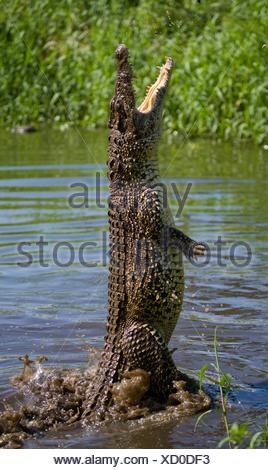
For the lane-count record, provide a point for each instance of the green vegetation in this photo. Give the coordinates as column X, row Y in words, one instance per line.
column 238, row 435
column 57, row 62
column 224, row 382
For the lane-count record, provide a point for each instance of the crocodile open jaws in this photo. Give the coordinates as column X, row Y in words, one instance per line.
column 146, row 277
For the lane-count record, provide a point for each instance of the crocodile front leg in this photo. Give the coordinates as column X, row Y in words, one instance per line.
column 190, row 248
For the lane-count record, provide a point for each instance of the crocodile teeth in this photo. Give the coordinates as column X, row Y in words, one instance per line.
column 153, row 90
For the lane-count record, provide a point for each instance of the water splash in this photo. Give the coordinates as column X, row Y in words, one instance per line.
column 56, row 398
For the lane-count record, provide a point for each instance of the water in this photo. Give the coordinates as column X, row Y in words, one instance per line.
column 61, row 311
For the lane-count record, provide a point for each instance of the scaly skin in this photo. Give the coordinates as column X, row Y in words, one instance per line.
column 146, row 280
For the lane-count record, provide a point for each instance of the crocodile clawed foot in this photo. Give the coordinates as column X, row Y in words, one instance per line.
column 197, row 249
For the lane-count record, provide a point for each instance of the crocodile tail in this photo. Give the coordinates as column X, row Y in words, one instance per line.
column 99, row 395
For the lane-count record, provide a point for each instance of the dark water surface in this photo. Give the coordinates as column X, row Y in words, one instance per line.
column 60, row 311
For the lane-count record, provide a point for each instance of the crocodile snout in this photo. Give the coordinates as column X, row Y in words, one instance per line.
column 121, row 52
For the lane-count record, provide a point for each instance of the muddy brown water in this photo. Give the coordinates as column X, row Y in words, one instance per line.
column 61, row 311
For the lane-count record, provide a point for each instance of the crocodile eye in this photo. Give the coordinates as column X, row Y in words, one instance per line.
column 117, row 106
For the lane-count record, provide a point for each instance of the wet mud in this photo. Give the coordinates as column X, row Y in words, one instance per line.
column 55, row 398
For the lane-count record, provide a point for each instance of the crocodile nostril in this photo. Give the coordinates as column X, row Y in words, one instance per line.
column 121, row 52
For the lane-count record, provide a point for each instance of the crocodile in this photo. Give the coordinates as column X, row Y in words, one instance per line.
column 146, row 274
